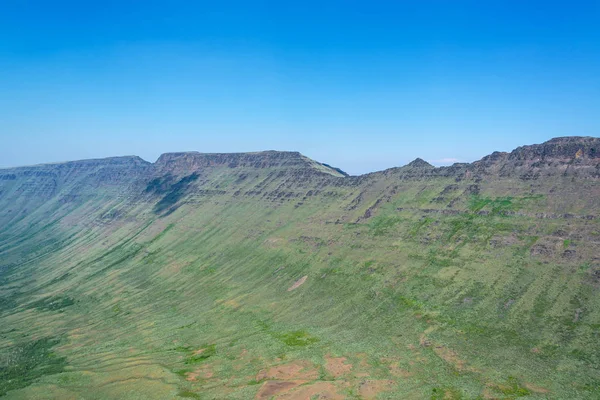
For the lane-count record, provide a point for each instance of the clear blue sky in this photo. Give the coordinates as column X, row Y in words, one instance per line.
column 360, row 85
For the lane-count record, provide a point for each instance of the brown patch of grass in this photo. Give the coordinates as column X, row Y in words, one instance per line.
column 369, row 389
column 233, row 304
column 450, row 356
column 319, row 390
column 362, row 368
column 337, row 366
column 395, row 370
column 363, row 360
column 274, row 242
column 272, row 388
column 298, row 283
column 203, row 372
column 173, row 268
column 199, row 351
column 487, row 394
column 535, row 388
column 295, row 370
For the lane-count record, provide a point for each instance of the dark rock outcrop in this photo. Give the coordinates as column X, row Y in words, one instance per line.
column 419, row 163
column 559, row 149
column 564, row 156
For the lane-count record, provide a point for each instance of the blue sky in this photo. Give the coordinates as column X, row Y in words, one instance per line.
column 360, row 85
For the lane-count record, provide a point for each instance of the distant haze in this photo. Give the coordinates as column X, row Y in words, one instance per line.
column 360, row 86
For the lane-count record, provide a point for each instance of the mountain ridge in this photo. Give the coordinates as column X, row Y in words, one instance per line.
column 565, row 148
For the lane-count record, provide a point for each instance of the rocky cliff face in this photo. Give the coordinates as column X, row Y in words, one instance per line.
column 275, row 175
column 102, row 168
column 565, row 149
column 567, row 156
column 24, row 189
column 47, row 180
column 188, row 162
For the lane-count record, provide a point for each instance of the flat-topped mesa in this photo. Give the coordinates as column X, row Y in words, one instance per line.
column 112, row 170
column 73, row 179
column 188, row 162
column 120, row 161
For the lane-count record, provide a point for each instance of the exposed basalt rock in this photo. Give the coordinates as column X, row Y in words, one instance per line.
column 541, row 250
column 449, row 189
column 47, row 180
column 419, row 163
column 594, row 275
column 336, row 169
column 562, row 148
column 68, row 166
column 369, row 212
column 569, row 254
column 70, row 183
column 190, row 161
column 93, row 173
column 289, row 175
column 565, row 156
column 272, row 175
column 183, row 163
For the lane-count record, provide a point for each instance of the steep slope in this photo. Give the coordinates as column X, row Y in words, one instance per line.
column 269, row 274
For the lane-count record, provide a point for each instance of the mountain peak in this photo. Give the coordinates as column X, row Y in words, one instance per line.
column 419, row 163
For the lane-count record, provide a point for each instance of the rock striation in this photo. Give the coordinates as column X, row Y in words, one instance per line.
column 187, row 162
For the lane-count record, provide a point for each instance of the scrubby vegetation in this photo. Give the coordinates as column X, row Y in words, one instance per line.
column 24, row 363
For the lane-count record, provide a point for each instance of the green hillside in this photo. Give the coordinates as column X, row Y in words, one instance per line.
column 269, row 275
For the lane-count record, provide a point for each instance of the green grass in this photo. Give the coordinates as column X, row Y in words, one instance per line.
column 53, row 303
column 382, row 224
column 207, row 352
column 297, row 338
column 188, row 394
column 512, row 388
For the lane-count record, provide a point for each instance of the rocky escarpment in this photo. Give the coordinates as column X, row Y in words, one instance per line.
column 275, row 175
column 272, row 175
column 106, row 170
column 564, row 156
column 567, row 156
column 26, row 188
column 188, row 162
column 46, row 180
column 560, row 149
